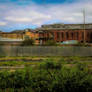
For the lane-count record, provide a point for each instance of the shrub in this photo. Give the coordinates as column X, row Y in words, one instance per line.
column 28, row 42
column 50, row 65
column 50, row 43
column 47, row 79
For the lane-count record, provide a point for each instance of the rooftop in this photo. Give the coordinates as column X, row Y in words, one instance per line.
column 65, row 26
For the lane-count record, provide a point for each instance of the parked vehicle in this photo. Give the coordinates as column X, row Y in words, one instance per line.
column 70, row 42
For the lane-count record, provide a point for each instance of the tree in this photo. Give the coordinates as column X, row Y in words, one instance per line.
column 50, row 43
column 28, row 42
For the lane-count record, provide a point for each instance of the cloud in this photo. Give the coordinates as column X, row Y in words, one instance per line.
column 2, row 23
column 23, row 16
column 35, row 14
column 17, row 19
column 28, row 15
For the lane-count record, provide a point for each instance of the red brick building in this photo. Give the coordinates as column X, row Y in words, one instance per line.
column 56, row 32
column 64, row 32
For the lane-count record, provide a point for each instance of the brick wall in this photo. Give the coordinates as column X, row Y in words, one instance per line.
column 69, row 34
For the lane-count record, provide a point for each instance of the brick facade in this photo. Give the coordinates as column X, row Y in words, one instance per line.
column 63, row 35
column 57, row 32
column 64, row 32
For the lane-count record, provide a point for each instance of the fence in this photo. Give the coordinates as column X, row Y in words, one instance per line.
column 45, row 51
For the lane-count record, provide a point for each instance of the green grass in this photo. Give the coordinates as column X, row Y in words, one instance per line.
column 35, row 61
column 49, row 76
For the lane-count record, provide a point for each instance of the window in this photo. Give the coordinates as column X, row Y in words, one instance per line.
column 67, row 35
column 77, row 35
column 62, row 35
column 58, row 35
column 87, row 34
column 91, row 36
column 72, row 35
column 82, row 35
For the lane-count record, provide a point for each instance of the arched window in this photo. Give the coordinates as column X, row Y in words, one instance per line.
column 91, row 36
column 72, row 35
column 58, row 35
column 77, row 35
column 67, row 35
column 62, row 35
column 82, row 35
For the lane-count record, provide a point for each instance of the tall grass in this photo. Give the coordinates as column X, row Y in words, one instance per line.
column 48, row 77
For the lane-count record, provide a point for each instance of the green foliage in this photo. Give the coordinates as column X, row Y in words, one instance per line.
column 49, row 77
column 50, row 43
column 83, row 44
column 50, row 65
column 28, row 42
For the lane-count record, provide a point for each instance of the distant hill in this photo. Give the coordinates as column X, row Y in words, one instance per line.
column 18, row 31
column 21, row 31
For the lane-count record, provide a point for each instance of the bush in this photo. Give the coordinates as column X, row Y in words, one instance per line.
column 50, row 65
column 47, row 79
column 50, row 43
column 28, row 42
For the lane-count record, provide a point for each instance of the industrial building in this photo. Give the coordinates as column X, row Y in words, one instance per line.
column 66, row 32
column 56, row 32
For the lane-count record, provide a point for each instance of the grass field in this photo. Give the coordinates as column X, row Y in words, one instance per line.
column 46, row 74
column 36, row 61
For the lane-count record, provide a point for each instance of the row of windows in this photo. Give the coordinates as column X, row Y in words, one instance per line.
column 67, row 35
column 72, row 35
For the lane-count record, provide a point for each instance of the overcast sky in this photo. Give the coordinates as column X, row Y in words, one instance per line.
column 21, row 14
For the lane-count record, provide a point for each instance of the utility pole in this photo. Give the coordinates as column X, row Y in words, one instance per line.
column 84, row 40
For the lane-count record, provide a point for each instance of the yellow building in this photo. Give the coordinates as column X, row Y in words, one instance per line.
column 12, row 35
column 32, row 34
column 28, row 33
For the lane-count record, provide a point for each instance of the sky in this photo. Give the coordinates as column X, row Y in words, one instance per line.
column 22, row 14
